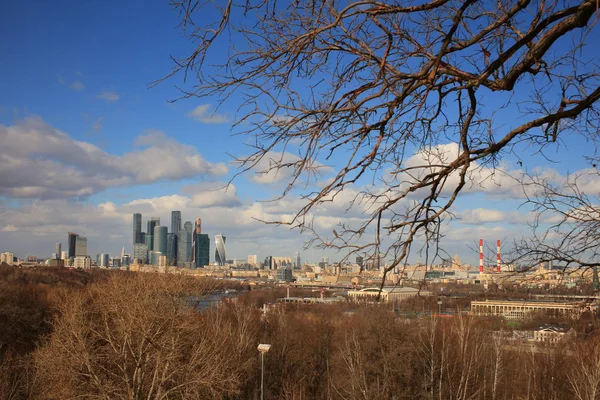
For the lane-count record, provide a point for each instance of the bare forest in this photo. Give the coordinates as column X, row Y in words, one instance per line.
column 69, row 334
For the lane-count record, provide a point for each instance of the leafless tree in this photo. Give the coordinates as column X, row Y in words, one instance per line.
column 137, row 337
column 409, row 103
column 566, row 227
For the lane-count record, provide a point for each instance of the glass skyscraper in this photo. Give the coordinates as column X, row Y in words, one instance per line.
column 160, row 239
column 71, row 245
column 140, row 252
column 200, row 246
column 201, row 250
column 150, row 241
column 152, row 222
column 220, row 255
column 175, row 222
column 172, row 248
column 137, row 228
column 184, row 245
column 81, row 247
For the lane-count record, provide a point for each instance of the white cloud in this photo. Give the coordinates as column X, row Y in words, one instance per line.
column 9, row 228
column 209, row 194
column 203, row 113
column 77, row 86
column 109, row 96
column 479, row 216
column 39, row 161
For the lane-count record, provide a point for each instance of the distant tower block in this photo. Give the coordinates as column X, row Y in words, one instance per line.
column 498, row 256
column 481, row 256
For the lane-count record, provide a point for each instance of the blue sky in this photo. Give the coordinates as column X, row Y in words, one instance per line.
column 77, row 74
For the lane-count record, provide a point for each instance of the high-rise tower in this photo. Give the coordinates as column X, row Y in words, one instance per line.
column 160, row 239
column 297, row 260
column 200, row 246
column 172, row 248
column 58, row 250
column 137, row 228
column 71, row 245
column 220, row 254
column 152, row 222
column 175, row 222
column 184, row 244
column 81, row 246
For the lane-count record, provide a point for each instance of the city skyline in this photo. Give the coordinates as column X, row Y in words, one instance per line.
column 97, row 145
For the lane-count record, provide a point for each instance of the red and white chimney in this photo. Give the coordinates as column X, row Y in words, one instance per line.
column 498, row 255
column 481, row 256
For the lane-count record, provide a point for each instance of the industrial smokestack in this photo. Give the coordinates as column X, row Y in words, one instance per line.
column 498, row 255
column 481, row 256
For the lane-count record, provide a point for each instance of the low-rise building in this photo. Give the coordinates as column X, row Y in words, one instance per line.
column 83, row 262
column 518, row 309
column 552, row 333
column 393, row 294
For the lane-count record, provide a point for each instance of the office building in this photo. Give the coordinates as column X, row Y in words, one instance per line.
column 140, row 253
column 175, row 222
column 160, row 239
column 269, row 264
column 284, row 274
column 7, row 257
column 125, row 260
column 58, row 250
column 149, row 241
column 155, row 256
column 184, row 245
column 71, row 244
column 253, row 260
column 142, row 237
column 200, row 246
column 172, row 248
column 81, row 246
column 83, row 262
column 359, row 261
column 297, row 261
column 137, row 228
column 220, row 254
column 152, row 222
column 103, row 260
column 64, row 255
column 202, row 249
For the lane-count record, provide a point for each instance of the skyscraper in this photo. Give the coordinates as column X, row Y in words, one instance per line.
column 58, row 250
column 298, row 265
column 253, row 260
column 160, row 239
column 200, row 246
column 150, row 241
column 175, row 222
column 220, row 254
column 184, row 245
column 201, row 250
column 81, row 246
column 152, row 222
column 71, row 244
column 140, row 252
column 137, row 228
column 172, row 248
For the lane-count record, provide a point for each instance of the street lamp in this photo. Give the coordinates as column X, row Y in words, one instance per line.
column 262, row 348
